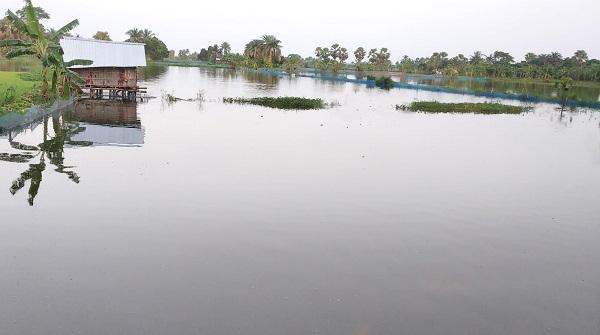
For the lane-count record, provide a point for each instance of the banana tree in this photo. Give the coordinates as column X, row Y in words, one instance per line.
column 64, row 80
column 36, row 44
column 51, row 149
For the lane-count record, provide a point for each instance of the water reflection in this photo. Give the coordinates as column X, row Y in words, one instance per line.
column 51, row 148
column 107, row 122
column 90, row 123
column 267, row 82
column 151, row 73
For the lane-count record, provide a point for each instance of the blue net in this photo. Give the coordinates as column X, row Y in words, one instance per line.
column 14, row 120
column 434, row 88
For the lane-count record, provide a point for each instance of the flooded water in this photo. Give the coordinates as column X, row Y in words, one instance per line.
column 199, row 217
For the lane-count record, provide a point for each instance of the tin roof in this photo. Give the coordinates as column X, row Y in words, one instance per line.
column 103, row 53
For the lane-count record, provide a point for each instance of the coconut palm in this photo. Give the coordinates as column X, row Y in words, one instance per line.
column 476, row 58
column 147, row 34
column 271, row 48
column 225, row 48
column 135, row 35
column 580, row 57
column 45, row 49
column 556, row 59
column 292, row 63
column 529, row 58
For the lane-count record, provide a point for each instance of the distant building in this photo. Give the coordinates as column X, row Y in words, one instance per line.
column 114, row 68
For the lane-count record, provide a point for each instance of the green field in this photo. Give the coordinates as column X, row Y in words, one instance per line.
column 16, row 93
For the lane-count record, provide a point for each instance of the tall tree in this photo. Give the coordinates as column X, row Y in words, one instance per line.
column 147, row 34
column 292, row 63
column 40, row 13
column 476, row 58
column 529, row 58
column 580, row 57
column 156, row 49
column 360, row 54
column 253, row 48
column 271, row 49
column 102, row 35
column 135, row 35
column 556, row 59
column 225, row 48
column 380, row 58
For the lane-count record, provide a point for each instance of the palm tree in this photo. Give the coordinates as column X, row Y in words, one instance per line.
column 529, row 58
column 135, row 35
column 271, row 48
column 360, row 54
column 225, row 48
column 253, row 48
column 580, row 57
column 45, row 49
column 556, row 59
column 146, row 34
column 292, row 63
column 476, row 58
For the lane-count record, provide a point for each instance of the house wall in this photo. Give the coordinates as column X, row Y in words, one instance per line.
column 109, row 77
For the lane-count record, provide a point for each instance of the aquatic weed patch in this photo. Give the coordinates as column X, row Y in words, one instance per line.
column 280, row 102
column 463, row 107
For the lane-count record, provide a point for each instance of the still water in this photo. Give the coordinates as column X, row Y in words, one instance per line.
column 199, row 217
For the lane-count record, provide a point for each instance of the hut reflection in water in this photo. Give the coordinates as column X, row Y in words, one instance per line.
column 108, row 122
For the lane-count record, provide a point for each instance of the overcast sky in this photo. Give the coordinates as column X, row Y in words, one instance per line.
column 413, row 28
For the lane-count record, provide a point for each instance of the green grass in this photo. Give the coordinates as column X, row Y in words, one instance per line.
column 280, row 102
column 464, row 107
column 17, row 94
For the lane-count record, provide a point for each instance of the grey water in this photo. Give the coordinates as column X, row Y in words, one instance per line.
column 201, row 217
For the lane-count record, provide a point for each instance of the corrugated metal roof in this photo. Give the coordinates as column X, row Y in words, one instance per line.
column 103, row 53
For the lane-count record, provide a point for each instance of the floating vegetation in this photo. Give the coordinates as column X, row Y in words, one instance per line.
column 463, row 107
column 280, row 102
column 170, row 98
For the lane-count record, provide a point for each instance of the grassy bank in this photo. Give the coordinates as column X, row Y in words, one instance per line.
column 18, row 90
column 464, row 107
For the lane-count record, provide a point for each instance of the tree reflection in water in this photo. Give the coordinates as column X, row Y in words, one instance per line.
column 51, row 148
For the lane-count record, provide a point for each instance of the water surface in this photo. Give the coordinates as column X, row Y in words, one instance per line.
column 208, row 218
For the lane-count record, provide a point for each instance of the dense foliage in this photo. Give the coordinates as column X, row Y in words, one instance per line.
column 382, row 82
column 156, row 49
column 502, row 65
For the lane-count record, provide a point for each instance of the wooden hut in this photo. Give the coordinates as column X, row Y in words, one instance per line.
column 114, row 68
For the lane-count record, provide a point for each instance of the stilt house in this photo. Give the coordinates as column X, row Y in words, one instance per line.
column 114, row 68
